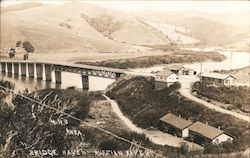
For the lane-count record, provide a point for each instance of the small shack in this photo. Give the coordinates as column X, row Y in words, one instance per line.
column 175, row 125
column 189, row 71
column 177, row 69
column 203, row 133
column 165, row 78
column 217, row 79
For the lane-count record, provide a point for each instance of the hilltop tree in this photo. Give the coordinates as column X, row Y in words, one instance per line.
column 12, row 53
column 28, row 47
column 19, row 44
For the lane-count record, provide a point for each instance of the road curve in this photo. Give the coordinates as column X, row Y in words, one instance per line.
column 155, row 135
column 185, row 91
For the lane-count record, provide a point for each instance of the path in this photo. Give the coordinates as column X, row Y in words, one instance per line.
column 185, row 90
column 155, row 135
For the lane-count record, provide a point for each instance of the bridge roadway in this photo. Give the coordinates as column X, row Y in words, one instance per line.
column 51, row 71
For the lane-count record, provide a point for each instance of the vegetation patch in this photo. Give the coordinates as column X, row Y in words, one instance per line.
column 145, row 106
column 180, row 56
column 237, row 97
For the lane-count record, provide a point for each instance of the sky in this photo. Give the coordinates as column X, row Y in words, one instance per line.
column 204, row 6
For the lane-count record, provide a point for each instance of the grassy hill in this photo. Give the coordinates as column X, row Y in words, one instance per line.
column 54, row 29
column 74, row 27
column 145, row 106
column 210, row 28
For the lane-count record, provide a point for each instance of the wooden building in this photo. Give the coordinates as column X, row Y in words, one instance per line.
column 203, row 133
column 217, row 79
column 165, row 78
column 175, row 125
column 177, row 69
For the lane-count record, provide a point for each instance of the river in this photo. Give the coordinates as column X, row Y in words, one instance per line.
column 68, row 80
column 233, row 60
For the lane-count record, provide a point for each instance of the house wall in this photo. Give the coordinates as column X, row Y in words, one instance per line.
column 161, row 85
column 185, row 132
column 197, row 138
column 208, row 80
column 173, row 78
column 222, row 138
column 168, row 128
column 229, row 81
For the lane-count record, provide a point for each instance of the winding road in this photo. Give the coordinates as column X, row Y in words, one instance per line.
column 185, row 90
column 155, row 135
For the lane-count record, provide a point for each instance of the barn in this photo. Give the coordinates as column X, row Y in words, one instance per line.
column 217, row 79
column 175, row 125
column 203, row 133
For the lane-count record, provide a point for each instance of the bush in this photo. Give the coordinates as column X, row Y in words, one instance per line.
column 236, row 96
column 28, row 47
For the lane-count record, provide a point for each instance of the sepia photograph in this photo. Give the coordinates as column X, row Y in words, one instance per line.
column 125, row 79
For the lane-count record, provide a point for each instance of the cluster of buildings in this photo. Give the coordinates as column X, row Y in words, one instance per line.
column 170, row 75
column 198, row 132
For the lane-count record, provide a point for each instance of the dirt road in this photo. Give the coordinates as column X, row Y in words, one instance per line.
column 155, row 135
column 185, row 90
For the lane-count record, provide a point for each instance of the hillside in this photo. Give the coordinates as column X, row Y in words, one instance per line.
column 59, row 29
column 75, row 27
column 210, row 28
column 242, row 75
column 81, row 27
column 17, row 7
column 144, row 105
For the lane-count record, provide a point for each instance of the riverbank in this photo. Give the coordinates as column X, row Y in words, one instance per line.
column 176, row 56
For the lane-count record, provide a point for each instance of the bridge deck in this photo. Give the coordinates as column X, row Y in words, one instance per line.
column 121, row 71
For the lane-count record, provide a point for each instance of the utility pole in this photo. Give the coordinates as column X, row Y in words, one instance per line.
column 201, row 65
column 231, row 59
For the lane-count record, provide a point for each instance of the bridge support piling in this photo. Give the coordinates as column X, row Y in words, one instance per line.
column 6, row 68
column 35, row 72
column 53, row 76
column 44, row 74
column 2, row 67
column 27, row 69
column 12, row 69
column 19, row 69
column 85, row 82
column 58, row 76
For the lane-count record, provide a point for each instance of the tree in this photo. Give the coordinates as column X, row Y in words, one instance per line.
column 12, row 53
column 28, row 47
column 18, row 44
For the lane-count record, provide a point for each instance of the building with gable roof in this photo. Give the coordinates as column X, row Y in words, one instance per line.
column 203, row 133
column 217, row 79
column 173, row 124
column 165, row 78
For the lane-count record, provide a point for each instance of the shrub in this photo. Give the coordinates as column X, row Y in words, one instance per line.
column 28, row 47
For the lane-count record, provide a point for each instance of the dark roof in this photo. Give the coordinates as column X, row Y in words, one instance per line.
column 164, row 73
column 215, row 75
column 175, row 121
column 205, row 130
column 174, row 67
